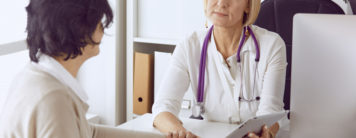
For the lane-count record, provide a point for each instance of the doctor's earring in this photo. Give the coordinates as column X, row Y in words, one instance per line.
column 206, row 23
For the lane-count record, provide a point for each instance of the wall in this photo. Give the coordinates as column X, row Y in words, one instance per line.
column 13, row 20
column 12, row 29
column 169, row 19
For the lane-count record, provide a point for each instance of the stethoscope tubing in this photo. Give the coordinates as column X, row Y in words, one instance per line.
column 201, row 79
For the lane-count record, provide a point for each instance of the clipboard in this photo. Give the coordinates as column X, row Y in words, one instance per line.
column 255, row 124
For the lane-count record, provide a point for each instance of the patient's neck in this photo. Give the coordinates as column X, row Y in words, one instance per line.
column 71, row 65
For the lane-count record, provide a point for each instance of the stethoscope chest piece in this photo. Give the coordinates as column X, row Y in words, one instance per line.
column 197, row 111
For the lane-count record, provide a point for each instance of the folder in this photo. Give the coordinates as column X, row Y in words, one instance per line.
column 143, row 83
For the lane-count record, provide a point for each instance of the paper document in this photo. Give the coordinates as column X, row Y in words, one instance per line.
column 255, row 124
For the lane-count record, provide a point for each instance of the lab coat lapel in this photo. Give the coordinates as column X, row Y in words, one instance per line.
column 234, row 108
column 218, row 64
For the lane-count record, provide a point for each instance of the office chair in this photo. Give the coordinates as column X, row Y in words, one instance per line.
column 353, row 6
column 277, row 16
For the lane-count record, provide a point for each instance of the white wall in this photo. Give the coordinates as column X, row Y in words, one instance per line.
column 12, row 29
column 169, row 19
column 13, row 20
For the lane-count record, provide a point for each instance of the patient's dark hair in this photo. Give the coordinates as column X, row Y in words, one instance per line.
column 64, row 27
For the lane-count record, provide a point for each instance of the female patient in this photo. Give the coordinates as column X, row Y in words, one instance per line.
column 244, row 70
column 45, row 99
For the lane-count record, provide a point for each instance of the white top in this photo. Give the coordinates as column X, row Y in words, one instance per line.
column 53, row 67
column 40, row 105
column 222, row 84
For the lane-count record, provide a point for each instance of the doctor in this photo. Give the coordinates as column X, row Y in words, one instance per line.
column 235, row 69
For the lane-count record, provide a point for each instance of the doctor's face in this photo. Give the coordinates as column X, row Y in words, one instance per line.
column 226, row 13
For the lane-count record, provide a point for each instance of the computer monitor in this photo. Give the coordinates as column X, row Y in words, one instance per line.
column 323, row 85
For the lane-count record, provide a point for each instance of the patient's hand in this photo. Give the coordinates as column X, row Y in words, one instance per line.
column 181, row 134
column 266, row 132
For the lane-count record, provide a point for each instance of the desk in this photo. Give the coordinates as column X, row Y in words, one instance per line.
column 203, row 129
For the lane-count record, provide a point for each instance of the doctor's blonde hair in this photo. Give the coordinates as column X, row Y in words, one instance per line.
column 250, row 17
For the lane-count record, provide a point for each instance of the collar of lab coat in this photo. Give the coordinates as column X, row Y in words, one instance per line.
column 248, row 45
column 54, row 68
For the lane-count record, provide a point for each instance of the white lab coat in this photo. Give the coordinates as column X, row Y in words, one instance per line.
column 222, row 85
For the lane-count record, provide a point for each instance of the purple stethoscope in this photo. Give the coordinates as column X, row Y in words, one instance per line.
column 198, row 108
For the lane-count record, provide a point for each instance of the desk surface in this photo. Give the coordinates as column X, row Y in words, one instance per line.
column 203, row 129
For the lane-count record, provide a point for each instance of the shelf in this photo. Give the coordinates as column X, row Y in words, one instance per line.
column 156, row 41
column 13, row 47
column 150, row 30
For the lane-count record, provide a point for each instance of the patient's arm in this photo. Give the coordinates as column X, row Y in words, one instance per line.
column 100, row 131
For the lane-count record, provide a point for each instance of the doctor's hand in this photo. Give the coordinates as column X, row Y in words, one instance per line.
column 266, row 132
column 181, row 134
